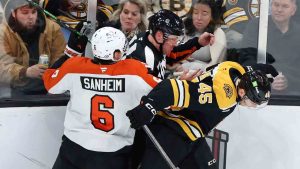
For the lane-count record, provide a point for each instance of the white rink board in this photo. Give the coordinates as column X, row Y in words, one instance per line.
column 265, row 139
column 30, row 137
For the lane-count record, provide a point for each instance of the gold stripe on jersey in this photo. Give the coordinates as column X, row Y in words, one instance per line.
column 235, row 15
column 191, row 128
column 223, row 86
column 71, row 22
column 187, row 94
column 236, row 20
column 233, row 11
column 181, row 93
column 175, row 91
column 195, row 80
column 107, row 10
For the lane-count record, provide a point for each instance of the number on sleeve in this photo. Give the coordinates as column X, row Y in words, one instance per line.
column 205, row 95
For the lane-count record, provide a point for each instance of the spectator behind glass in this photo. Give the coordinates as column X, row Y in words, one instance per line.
column 236, row 17
column 4, row 88
column 130, row 17
column 71, row 12
column 205, row 16
column 25, row 36
column 283, row 44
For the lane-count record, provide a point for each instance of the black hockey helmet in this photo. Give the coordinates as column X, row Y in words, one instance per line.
column 167, row 22
column 257, row 86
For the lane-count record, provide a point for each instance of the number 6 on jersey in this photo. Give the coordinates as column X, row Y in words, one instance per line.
column 102, row 119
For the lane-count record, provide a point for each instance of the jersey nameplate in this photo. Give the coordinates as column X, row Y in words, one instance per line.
column 103, row 84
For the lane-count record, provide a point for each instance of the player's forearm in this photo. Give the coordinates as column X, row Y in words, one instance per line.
column 182, row 51
column 162, row 95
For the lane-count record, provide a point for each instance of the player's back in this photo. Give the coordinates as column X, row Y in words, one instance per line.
column 210, row 98
column 100, row 96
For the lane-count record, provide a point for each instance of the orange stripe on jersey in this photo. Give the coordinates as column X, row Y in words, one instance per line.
column 186, row 53
column 82, row 65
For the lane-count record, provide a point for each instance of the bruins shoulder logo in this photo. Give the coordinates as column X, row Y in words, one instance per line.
column 228, row 90
column 253, row 8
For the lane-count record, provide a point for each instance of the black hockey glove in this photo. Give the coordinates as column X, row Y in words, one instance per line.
column 142, row 114
column 269, row 70
column 76, row 44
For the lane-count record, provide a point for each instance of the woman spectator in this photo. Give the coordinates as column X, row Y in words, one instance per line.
column 205, row 16
column 130, row 17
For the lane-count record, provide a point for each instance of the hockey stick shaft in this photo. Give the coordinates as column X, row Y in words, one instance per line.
column 159, row 148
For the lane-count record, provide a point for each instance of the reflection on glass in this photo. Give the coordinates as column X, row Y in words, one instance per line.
column 283, row 45
column 26, row 35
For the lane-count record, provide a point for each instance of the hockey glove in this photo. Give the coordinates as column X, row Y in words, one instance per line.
column 76, row 44
column 269, row 70
column 142, row 114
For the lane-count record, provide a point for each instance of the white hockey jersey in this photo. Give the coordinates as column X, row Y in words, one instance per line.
column 100, row 96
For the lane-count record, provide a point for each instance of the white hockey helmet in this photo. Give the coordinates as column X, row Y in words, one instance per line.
column 107, row 41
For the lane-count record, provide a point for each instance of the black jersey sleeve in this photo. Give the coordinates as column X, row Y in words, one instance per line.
column 184, row 50
column 162, row 95
column 175, row 93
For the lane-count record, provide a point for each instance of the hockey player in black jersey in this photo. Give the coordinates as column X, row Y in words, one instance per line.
column 205, row 101
column 157, row 47
column 160, row 45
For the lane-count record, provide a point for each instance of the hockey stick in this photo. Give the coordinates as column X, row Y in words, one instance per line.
column 159, row 148
column 58, row 21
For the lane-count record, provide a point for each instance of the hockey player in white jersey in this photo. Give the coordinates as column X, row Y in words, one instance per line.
column 97, row 133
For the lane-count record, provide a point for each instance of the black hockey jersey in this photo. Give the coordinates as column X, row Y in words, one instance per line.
column 209, row 99
column 72, row 16
column 143, row 50
column 239, row 12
